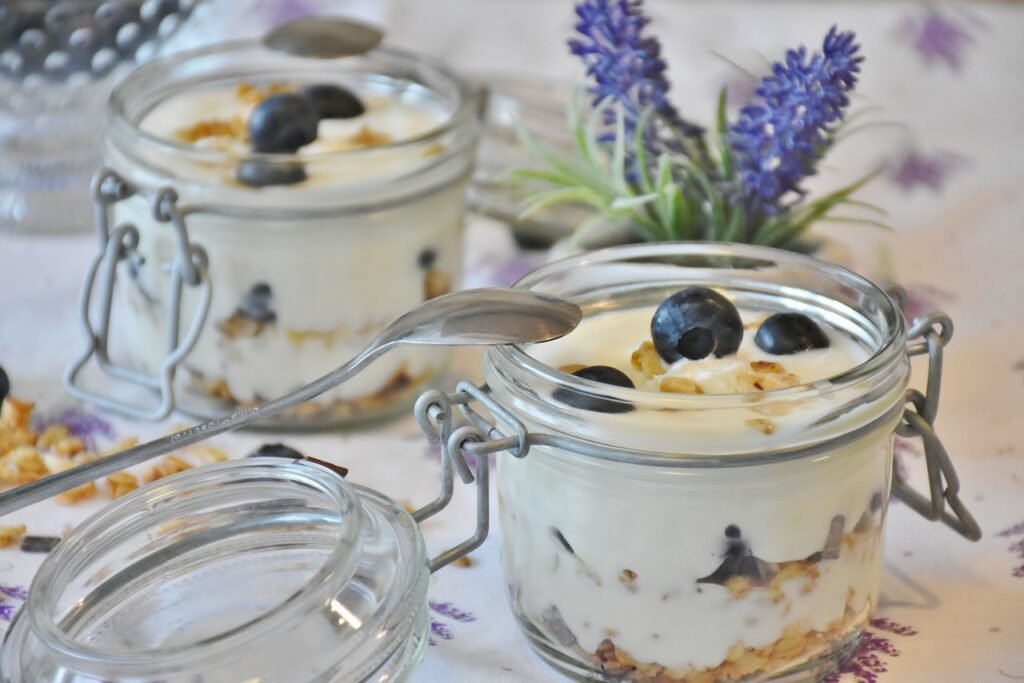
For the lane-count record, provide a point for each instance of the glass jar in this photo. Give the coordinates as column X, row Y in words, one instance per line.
column 265, row 569
column 229, row 294
column 667, row 540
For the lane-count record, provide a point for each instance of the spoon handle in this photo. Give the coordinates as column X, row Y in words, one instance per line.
column 27, row 494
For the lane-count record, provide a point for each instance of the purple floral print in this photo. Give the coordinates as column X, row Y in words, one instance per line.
column 922, row 169
column 869, row 660
column 82, row 424
column 940, row 37
column 442, row 611
column 1017, row 548
column 11, row 598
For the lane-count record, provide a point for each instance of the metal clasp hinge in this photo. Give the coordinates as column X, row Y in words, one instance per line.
column 928, row 335
column 466, row 450
column 121, row 244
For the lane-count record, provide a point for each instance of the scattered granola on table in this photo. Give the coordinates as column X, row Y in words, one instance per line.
column 27, row 456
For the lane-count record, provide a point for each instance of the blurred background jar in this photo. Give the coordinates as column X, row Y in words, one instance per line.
column 280, row 262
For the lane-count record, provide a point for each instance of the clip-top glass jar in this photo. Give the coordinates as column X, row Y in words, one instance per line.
column 701, row 537
column 241, row 275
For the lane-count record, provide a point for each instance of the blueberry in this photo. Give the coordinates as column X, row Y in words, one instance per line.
column 427, row 259
column 257, row 173
column 333, row 101
column 694, row 323
column 256, row 304
column 5, row 385
column 732, row 531
column 276, row 450
column 786, row 333
column 605, row 375
column 39, row 544
column 283, row 123
column 560, row 537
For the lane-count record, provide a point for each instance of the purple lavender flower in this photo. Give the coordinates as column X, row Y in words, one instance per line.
column 625, row 65
column 778, row 138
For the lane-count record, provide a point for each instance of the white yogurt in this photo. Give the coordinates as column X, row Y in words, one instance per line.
column 612, row 561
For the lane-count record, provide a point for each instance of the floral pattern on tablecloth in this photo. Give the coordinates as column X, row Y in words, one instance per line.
column 947, row 74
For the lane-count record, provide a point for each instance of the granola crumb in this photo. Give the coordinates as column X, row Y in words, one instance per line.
column 122, row 444
column 766, row 366
column 16, row 414
column 22, row 465
column 434, row 150
column 172, row 464
column 210, row 454
column 69, row 446
column 572, row 367
column 646, row 360
column 435, row 284
column 121, row 483
column 11, row 535
column 680, row 385
column 51, row 435
column 233, row 128
column 367, row 137
column 78, row 494
column 465, row 561
column 766, row 427
column 247, row 93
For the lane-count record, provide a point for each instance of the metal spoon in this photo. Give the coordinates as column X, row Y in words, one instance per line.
column 323, row 37
column 469, row 317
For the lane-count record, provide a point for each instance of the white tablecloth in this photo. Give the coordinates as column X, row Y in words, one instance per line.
column 948, row 81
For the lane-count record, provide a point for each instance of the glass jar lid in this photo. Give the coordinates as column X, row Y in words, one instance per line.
column 262, row 569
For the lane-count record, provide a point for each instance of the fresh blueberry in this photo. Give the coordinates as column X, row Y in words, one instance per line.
column 560, row 537
column 257, row 173
column 256, row 304
column 694, row 323
column 276, row 450
column 39, row 544
column 786, row 333
column 605, row 375
column 738, row 561
column 333, row 101
column 283, row 123
column 427, row 259
column 5, row 385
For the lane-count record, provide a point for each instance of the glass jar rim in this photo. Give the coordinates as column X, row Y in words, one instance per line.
column 119, row 118
column 67, row 556
column 890, row 349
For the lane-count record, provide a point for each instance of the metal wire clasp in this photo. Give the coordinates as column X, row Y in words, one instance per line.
column 189, row 268
column 929, row 334
column 466, row 450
